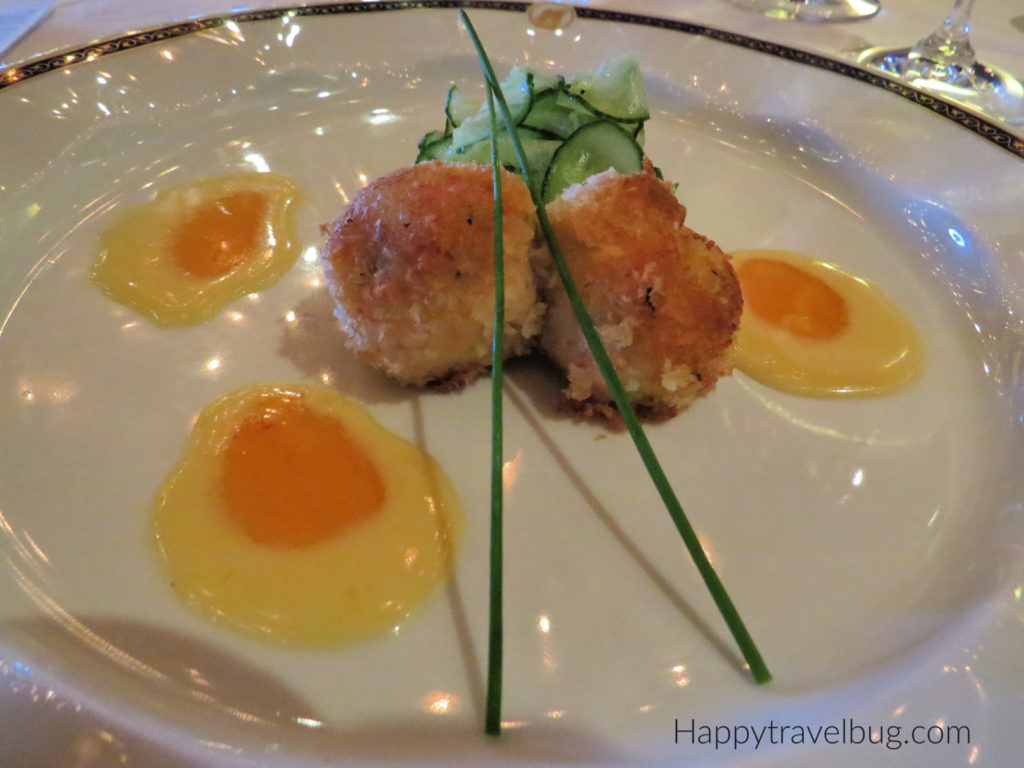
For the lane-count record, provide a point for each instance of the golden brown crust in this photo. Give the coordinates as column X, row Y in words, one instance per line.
column 665, row 299
column 410, row 266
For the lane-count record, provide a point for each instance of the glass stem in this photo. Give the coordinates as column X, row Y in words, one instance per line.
column 950, row 45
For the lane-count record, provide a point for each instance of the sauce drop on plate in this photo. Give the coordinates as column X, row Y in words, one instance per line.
column 181, row 257
column 809, row 328
column 295, row 517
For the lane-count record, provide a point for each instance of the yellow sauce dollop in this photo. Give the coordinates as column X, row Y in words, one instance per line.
column 181, row 257
column 809, row 328
column 295, row 517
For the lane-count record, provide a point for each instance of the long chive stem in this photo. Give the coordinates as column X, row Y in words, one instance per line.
column 495, row 639
column 751, row 655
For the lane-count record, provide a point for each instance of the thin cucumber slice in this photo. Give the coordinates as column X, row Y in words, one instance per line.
column 538, row 150
column 615, row 89
column 542, row 82
column 594, row 148
column 517, row 89
column 429, row 138
column 460, row 107
column 551, row 115
column 559, row 113
column 438, row 149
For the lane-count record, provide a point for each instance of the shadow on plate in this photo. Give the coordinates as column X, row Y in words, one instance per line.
column 537, row 390
column 174, row 662
column 94, row 692
column 314, row 343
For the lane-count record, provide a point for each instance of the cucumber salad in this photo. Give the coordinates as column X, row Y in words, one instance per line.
column 569, row 130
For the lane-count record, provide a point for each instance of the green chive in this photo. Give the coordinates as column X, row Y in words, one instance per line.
column 749, row 650
column 494, row 655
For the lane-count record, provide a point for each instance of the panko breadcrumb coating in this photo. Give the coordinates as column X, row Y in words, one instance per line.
column 410, row 264
column 665, row 300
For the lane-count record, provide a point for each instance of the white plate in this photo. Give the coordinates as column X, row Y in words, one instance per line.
column 874, row 547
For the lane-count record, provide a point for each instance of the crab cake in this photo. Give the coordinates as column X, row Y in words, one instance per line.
column 664, row 299
column 410, row 264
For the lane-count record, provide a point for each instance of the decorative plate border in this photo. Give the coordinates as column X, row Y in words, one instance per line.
column 984, row 128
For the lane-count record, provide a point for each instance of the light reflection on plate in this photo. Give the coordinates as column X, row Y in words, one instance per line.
column 873, row 547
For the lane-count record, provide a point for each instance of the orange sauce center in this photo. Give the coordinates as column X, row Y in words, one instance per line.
column 220, row 235
column 292, row 478
column 787, row 297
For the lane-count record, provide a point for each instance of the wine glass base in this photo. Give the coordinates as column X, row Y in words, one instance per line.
column 812, row 10
column 988, row 90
